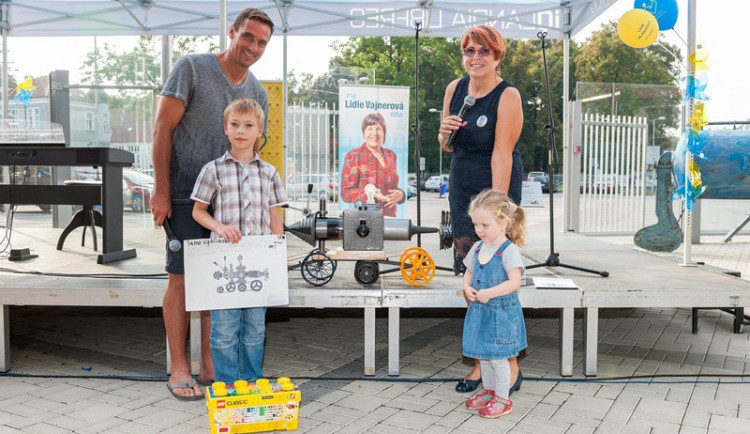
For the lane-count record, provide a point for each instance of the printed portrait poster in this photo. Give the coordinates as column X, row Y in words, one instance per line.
column 250, row 273
column 374, row 146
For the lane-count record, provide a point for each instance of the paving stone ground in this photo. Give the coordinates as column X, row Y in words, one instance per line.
column 328, row 343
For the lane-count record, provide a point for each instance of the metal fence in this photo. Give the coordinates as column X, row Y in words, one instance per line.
column 610, row 166
column 311, row 156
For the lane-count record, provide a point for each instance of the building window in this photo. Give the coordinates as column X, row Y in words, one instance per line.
column 13, row 113
column 35, row 114
column 89, row 121
column 105, row 122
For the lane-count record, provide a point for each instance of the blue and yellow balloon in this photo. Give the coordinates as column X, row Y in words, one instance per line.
column 24, row 91
column 638, row 28
column 665, row 11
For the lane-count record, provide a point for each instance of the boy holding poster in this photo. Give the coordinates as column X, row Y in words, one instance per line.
column 246, row 194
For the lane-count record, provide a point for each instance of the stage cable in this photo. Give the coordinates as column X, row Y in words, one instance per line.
column 157, row 276
column 625, row 379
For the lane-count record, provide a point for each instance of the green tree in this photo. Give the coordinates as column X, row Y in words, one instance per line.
column 605, row 58
column 141, row 66
column 639, row 82
column 523, row 67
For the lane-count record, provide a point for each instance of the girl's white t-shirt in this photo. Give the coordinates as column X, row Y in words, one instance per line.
column 511, row 256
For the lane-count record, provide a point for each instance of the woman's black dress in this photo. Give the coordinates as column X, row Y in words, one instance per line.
column 471, row 171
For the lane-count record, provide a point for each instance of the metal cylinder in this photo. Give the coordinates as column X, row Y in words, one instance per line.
column 403, row 230
column 315, row 228
column 328, row 228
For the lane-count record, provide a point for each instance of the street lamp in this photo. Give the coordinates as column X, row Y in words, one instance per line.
column 440, row 116
column 653, row 128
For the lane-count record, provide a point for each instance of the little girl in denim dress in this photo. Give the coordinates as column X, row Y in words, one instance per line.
column 494, row 328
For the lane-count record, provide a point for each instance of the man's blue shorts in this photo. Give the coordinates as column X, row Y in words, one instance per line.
column 185, row 228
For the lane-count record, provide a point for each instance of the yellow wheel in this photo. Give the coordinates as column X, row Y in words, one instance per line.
column 417, row 267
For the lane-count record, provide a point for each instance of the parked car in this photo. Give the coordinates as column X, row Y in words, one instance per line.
column 323, row 184
column 412, row 180
column 411, row 191
column 137, row 187
column 536, row 175
column 544, row 180
column 141, row 187
column 433, row 182
column 31, row 175
column 605, row 183
column 584, row 183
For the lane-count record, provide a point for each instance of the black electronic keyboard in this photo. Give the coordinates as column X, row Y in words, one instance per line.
column 57, row 156
column 108, row 194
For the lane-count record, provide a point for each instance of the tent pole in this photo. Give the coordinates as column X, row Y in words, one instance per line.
column 5, row 59
column 222, row 25
column 284, row 103
column 567, row 145
column 687, row 227
column 417, row 135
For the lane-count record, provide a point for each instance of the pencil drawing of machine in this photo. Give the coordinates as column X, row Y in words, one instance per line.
column 362, row 231
column 239, row 276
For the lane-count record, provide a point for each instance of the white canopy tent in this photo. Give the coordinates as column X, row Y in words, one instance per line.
column 514, row 18
column 561, row 19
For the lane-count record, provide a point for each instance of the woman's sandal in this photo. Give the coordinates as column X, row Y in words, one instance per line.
column 517, row 384
column 466, row 385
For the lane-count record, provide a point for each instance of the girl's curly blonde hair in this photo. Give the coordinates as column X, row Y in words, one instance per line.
column 504, row 208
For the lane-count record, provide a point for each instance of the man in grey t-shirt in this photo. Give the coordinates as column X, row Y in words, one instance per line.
column 189, row 133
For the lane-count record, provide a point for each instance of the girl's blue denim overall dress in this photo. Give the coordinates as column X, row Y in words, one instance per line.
column 495, row 330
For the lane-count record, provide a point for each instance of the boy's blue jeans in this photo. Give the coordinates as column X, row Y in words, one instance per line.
column 237, row 337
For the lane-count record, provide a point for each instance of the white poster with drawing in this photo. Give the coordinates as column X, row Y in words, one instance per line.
column 221, row 275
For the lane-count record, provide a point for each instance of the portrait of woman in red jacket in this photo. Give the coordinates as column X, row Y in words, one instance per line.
column 371, row 163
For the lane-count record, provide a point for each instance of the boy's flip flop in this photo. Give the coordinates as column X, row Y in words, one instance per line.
column 186, row 385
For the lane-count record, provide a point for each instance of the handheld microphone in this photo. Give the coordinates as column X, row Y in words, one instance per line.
column 468, row 103
column 174, row 244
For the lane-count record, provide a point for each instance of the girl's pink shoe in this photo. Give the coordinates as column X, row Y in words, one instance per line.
column 480, row 399
column 496, row 407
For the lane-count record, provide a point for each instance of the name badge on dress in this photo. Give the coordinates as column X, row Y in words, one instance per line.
column 482, row 121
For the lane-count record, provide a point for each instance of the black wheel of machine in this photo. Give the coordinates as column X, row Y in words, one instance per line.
column 220, row 289
column 241, row 287
column 366, row 272
column 317, row 268
column 230, row 287
column 256, row 285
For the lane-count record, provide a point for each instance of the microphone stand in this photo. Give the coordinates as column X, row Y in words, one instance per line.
column 418, row 135
column 417, row 127
column 553, row 260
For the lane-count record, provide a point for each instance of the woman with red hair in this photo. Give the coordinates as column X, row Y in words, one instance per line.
column 485, row 154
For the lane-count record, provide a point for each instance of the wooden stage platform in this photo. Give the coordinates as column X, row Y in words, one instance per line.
column 637, row 279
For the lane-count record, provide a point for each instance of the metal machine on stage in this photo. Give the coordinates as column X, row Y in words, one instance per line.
column 362, row 231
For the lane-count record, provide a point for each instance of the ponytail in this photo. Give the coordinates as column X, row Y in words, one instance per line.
column 517, row 227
